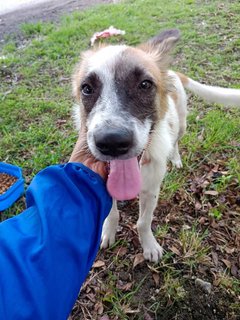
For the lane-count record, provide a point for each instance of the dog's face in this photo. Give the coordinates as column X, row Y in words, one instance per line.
column 122, row 94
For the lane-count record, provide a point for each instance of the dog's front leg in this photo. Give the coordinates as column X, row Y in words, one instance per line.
column 110, row 227
column 152, row 174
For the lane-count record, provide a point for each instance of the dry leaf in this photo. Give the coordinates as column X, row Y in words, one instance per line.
column 125, row 287
column 198, row 205
column 128, row 310
column 235, row 271
column 175, row 250
column 215, row 258
column 99, row 307
column 211, row 192
column 227, row 263
column 105, row 317
column 138, row 259
column 122, row 251
column 229, row 250
column 98, row 264
column 147, row 316
column 202, row 220
column 156, row 278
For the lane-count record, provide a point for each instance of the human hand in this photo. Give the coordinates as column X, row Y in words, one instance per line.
column 81, row 153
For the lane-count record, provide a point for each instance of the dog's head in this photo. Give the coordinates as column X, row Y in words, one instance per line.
column 122, row 94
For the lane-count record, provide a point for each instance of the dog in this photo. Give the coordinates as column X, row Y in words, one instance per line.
column 134, row 112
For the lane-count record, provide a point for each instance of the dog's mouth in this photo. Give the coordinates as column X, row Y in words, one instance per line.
column 124, row 179
column 119, row 149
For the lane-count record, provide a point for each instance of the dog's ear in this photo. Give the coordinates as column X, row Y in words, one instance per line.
column 166, row 35
column 160, row 46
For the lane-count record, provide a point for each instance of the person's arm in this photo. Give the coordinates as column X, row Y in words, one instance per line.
column 47, row 251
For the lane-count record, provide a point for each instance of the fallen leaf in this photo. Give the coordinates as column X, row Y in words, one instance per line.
column 125, row 287
column 98, row 264
column 229, row 250
column 138, row 259
column 128, row 310
column 156, row 278
column 135, row 242
column 227, row 263
column 202, row 220
column 147, row 316
column 105, row 317
column 122, row 251
column 198, row 205
column 235, row 271
column 211, row 192
column 99, row 307
column 217, row 282
column 215, row 258
column 186, row 227
column 175, row 250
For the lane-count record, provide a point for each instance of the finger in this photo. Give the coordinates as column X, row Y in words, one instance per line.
column 97, row 166
column 100, row 168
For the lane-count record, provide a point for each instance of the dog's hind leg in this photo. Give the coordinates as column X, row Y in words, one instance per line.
column 152, row 174
column 175, row 157
column 110, row 227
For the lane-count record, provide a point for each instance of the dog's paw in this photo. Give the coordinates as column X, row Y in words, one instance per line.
column 108, row 239
column 152, row 251
column 110, row 228
column 177, row 163
column 108, row 236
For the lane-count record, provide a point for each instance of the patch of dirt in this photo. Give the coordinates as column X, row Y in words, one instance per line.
column 47, row 11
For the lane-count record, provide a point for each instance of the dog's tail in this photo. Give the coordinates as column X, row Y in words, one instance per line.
column 225, row 96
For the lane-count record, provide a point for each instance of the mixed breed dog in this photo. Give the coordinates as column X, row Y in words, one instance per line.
column 134, row 110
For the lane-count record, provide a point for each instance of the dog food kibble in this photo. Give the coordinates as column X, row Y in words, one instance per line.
column 6, row 181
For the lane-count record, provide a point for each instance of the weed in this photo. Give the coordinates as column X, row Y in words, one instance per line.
column 173, row 287
column 225, row 281
column 193, row 249
column 215, row 213
column 161, row 231
column 117, row 301
column 33, row 29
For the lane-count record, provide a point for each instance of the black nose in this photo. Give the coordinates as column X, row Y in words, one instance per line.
column 114, row 142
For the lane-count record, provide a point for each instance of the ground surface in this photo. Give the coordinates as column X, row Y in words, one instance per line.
column 47, row 11
column 198, row 216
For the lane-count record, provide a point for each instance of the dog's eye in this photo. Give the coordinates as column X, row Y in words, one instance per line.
column 146, row 84
column 87, row 89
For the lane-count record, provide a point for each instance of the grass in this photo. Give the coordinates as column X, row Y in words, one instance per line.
column 36, row 130
column 194, row 251
column 118, row 300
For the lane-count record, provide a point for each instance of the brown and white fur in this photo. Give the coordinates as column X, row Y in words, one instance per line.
column 130, row 90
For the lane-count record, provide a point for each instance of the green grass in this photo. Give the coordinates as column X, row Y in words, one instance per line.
column 194, row 251
column 119, row 301
column 36, row 128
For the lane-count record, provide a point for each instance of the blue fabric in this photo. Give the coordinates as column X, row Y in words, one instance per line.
column 47, row 251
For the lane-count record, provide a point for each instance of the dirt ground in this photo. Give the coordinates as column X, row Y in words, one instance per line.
column 48, row 11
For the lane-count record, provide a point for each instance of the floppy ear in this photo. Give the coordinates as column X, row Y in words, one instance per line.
column 160, row 46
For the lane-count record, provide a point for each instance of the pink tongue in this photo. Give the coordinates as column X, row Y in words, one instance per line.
column 124, row 180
